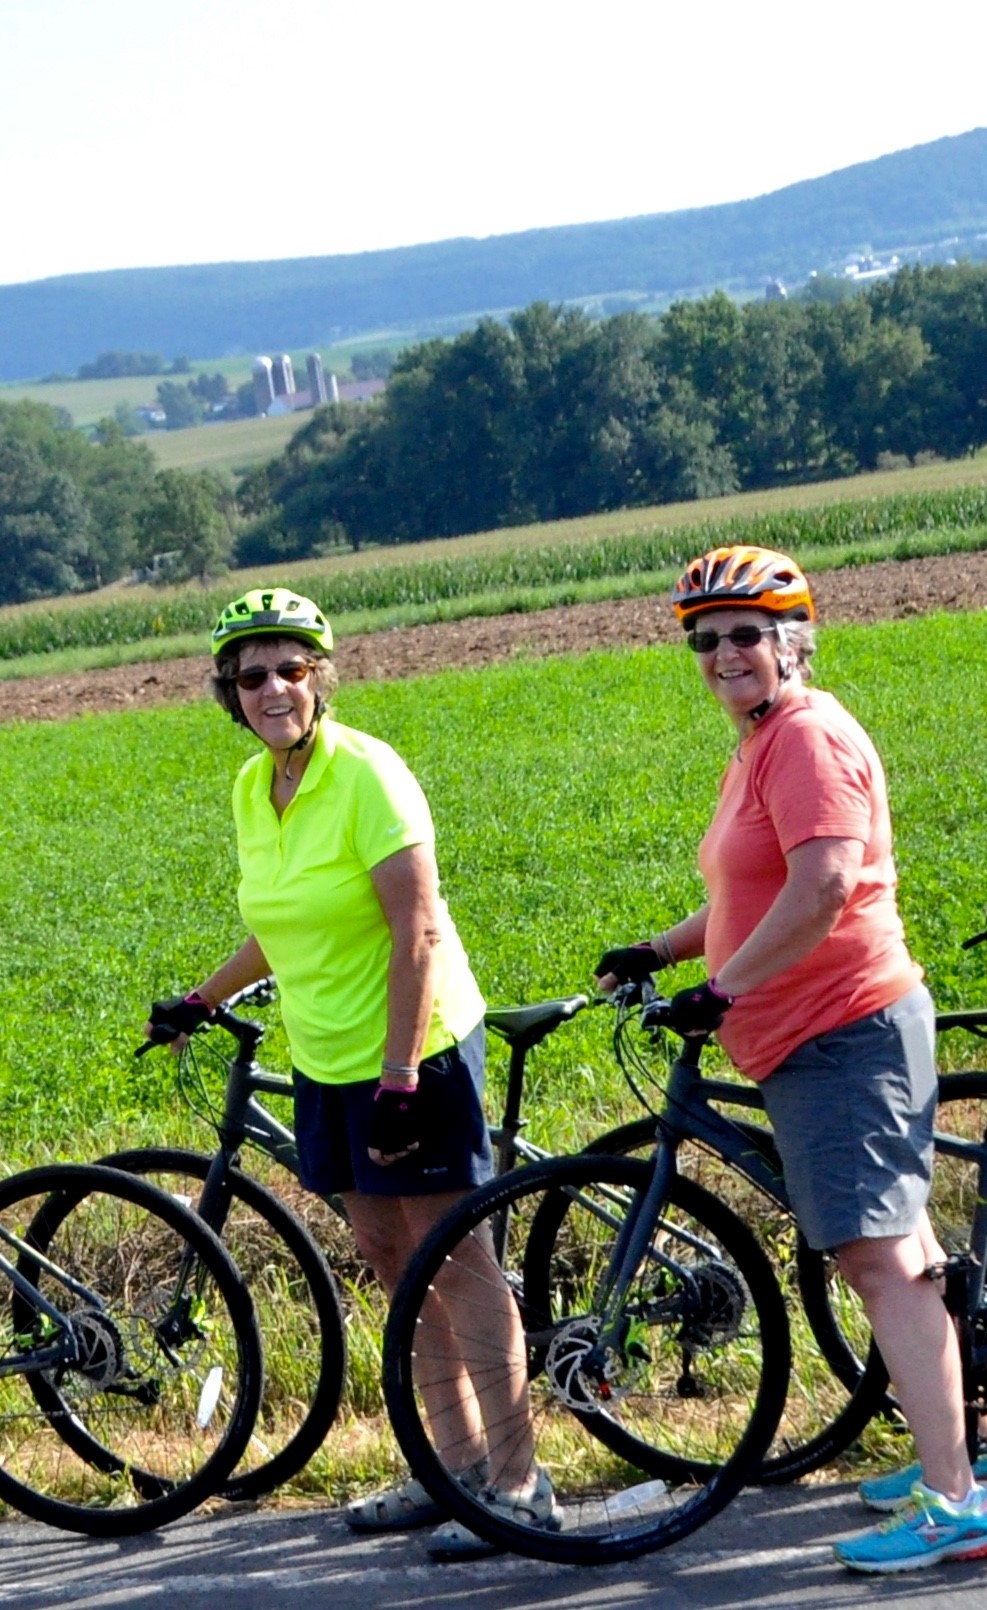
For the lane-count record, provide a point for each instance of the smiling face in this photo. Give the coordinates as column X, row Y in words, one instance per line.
column 280, row 712
column 741, row 679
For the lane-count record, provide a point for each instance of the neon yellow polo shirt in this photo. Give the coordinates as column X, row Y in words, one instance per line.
column 307, row 896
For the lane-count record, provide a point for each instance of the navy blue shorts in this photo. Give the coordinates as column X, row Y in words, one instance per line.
column 331, row 1123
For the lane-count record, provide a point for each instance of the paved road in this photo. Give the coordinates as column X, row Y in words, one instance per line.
column 769, row 1549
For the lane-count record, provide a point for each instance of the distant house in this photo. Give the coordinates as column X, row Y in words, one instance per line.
column 360, row 390
column 867, row 268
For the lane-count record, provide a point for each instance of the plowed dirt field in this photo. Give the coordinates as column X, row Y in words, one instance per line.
column 884, row 591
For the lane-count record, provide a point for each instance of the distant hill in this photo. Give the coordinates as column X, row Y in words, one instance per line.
column 922, row 203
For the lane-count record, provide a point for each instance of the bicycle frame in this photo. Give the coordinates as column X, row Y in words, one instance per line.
column 64, row 1351
column 245, row 1120
column 690, row 1113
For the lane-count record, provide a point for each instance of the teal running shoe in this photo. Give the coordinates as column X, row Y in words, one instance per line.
column 895, row 1488
column 924, row 1531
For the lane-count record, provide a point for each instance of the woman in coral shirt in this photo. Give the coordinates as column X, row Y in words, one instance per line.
column 812, row 991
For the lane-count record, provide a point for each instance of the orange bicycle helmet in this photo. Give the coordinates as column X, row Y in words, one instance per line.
column 728, row 578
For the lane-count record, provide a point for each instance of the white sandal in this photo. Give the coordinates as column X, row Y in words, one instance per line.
column 404, row 1508
column 397, row 1509
column 454, row 1541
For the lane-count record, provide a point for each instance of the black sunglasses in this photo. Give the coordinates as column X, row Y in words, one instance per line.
column 255, row 676
column 707, row 642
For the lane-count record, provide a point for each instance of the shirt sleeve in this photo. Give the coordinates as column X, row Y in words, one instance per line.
column 392, row 810
column 816, row 782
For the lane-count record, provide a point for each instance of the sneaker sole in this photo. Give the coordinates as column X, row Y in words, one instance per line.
column 885, row 1506
column 915, row 1562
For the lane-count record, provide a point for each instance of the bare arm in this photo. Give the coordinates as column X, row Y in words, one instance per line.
column 244, row 967
column 407, row 886
column 822, row 874
column 688, row 938
column 676, row 944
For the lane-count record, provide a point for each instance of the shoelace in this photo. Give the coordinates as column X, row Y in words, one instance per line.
column 913, row 1507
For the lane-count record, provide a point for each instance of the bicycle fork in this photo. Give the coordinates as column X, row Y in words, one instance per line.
column 635, row 1245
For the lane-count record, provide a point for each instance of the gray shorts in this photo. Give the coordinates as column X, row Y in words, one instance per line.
column 853, row 1112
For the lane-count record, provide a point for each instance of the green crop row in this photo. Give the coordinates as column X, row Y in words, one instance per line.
column 847, row 525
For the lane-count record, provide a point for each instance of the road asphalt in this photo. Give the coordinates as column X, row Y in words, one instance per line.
column 770, row 1548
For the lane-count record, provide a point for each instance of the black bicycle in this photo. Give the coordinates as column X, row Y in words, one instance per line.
column 304, row 1328
column 287, row 1268
column 646, row 1338
column 130, row 1357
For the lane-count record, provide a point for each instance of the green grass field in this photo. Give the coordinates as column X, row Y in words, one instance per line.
column 592, row 807
column 231, row 447
column 569, row 796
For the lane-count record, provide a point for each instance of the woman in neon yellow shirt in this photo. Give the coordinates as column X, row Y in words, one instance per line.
column 339, row 892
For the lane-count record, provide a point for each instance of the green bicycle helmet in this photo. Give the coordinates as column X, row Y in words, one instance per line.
column 272, row 612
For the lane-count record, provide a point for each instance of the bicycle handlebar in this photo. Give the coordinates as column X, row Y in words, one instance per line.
column 260, row 993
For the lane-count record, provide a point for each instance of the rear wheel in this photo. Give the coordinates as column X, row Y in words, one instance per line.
column 646, row 1414
column 151, row 1408
column 298, row 1308
column 838, row 1380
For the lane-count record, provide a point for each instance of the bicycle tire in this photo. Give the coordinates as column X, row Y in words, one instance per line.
column 298, row 1307
column 704, row 1351
column 825, row 1412
column 153, row 1417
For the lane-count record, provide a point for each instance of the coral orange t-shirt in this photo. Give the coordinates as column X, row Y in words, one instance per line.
column 809, row 772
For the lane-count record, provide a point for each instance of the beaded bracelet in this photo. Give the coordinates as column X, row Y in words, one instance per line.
column 663, row 950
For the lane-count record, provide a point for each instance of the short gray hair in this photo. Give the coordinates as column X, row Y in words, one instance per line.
column 800, row 637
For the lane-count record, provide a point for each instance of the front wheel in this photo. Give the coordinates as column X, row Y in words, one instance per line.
column 130, row 1359
column 646, row 1413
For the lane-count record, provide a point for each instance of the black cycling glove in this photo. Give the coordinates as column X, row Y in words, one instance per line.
column 699, row 1009
column 395, row 1122
column 630, row 964
column 182, row 1014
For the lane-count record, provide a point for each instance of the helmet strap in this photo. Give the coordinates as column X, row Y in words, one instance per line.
column 307, row 735
column 786, row 671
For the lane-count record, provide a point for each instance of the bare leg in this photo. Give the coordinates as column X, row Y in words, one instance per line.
column 474, row 1380
column 918, row 1341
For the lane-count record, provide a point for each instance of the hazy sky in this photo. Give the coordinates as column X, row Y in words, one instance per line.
column 148, row 132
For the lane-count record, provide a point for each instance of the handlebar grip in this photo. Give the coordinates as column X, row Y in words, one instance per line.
column 161, row 1034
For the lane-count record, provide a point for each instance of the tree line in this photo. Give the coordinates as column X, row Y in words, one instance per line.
column 75, row 513
column 551, row 414
column 547, row 415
